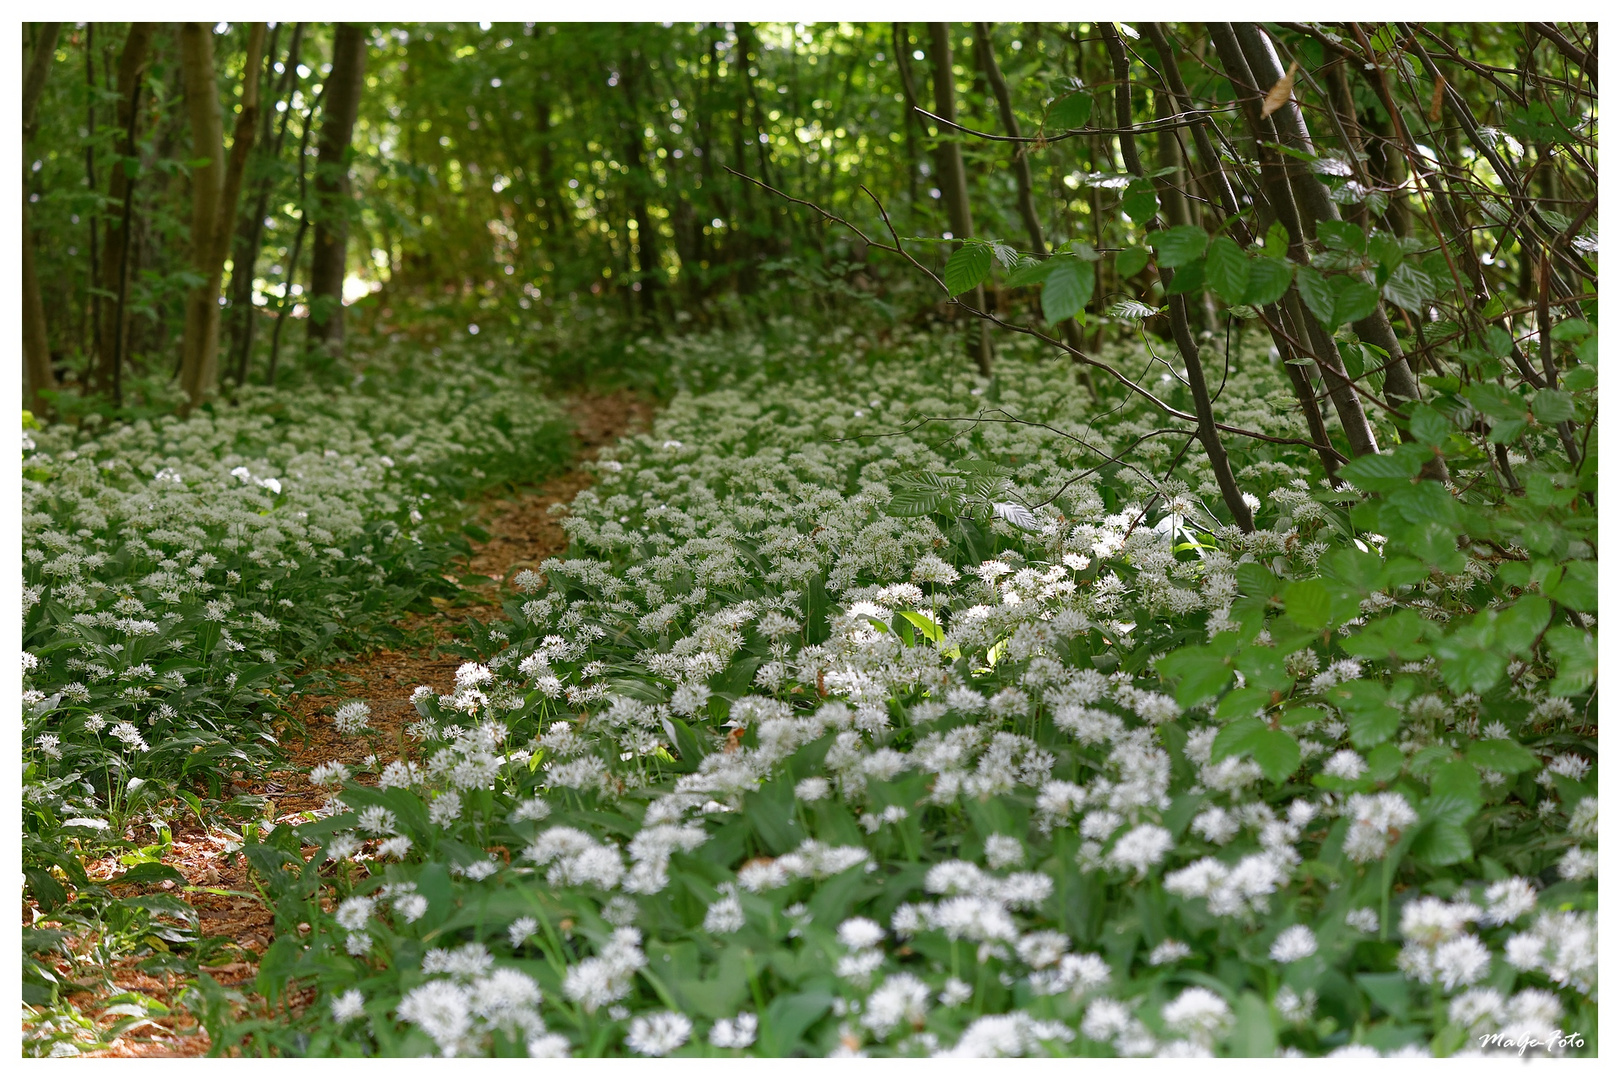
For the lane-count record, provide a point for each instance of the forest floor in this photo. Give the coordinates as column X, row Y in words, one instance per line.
column 522, row 533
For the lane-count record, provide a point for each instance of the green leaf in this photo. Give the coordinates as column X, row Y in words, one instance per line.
column 1380, row 472
column 1068, row 287
column 1236, row 738
column 1307, row 603
column 1498, row 342
column 1501, row 755
column 1429, row 427
column 1129, row 262
column 1226, row 270
column 1581, row 378
column 1409, row 287
column 1134, row 310
column 1441, row 843
column 1518, row 625
column 1180, row 244
column 1354, row 299
column 1390, row 991
column 1575, row 653
column 1029, row 271
column 968, row 266
column 1552, row 406
column 1341, row 236
column 1071, row 111
column 1277, row 753
column 1242, row 703
column 1277, row 240
column 1202, row 670
column 920, row 496
column 1457, row 780
column 926, row 626
column 1188, row 279
column 1140, row 201
column 1268, row 281
column 1576, row 587
column 1254, row 1035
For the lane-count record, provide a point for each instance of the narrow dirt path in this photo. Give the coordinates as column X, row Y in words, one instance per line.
column 522, row 533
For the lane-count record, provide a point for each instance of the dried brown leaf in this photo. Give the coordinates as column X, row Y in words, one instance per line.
column 1439, row 99
column 1279, row 94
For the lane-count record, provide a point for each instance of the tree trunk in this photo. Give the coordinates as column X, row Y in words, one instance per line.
column 1246, row 86
column 1317, row 205
column 250, row 223
column 216, row 187
column 36, row 341
column 1021, row 174
column 908, row 90
column 329, row 259
column 1215, row 450
column 114, row 260
column 1212, row 178
column 649, row 256
column 953, row 177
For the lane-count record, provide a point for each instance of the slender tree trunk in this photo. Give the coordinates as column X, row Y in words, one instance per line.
column 1021, row 175
column 908, row 90
column 39, row 377
column 284, row 308
column 115, row 250
column 1280, row 194
column 250, row 223
column 1219, row 194
column 1317, row 205
column 329, row 258
column 216, row 187
column 953, row 177
column 92, row 91
column 1215, row 450
column 649, row 255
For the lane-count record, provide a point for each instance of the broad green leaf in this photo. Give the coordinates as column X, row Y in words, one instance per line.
column 1132, row 309
column 1236, row 738
column 1277, row 753
column 1255, row 1034
column 1342, row 235
column 1242, row 703
column 1458, row 780
column 967, row 267
column 1268, row 281
column 926, row 626
column 1501, row 755
column 1029, row 271
column 1440, row 843
column 1409, row 287
column 1576, row 588
column 1071, row 111
column 1575, row 653
column 1428, row 426
column 1354, row 299
column 1068, row 286
column 1277, row 240
column 1519, row 624
column 1202, row 670
column 1226, row 270
column 1498, row 342
column 1379, row 472
column 1130, row 262
column 1179, row 245
column 1188, row 279
column 1141, row 202
column 1307, row 603
column 1552, row 406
